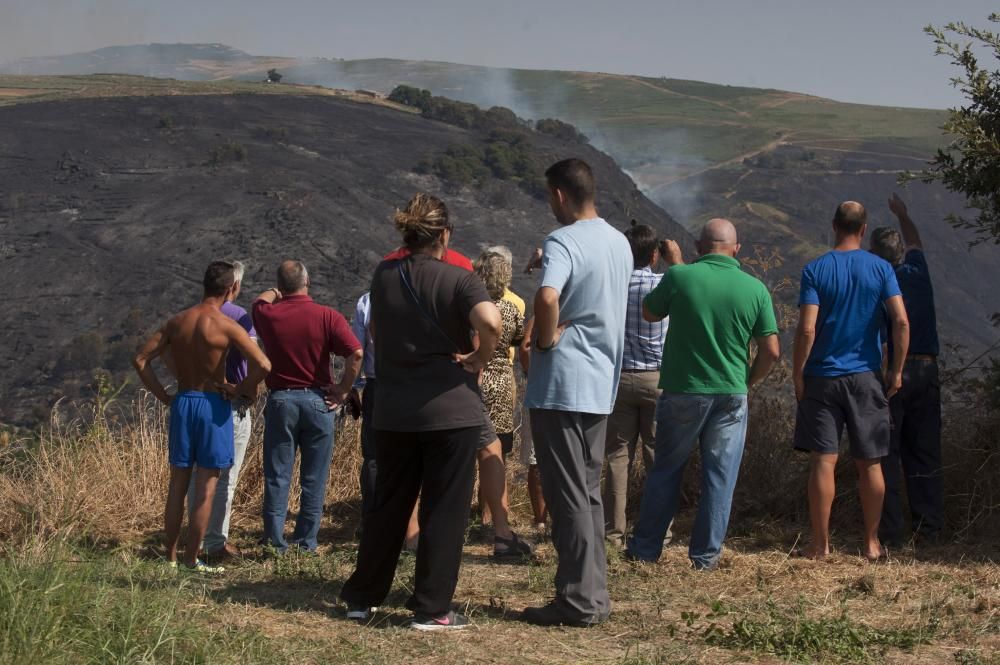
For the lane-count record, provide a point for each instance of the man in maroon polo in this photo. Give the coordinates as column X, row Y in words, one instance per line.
column 300, row 337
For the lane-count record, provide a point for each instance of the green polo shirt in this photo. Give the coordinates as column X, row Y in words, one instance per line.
column 715, row 309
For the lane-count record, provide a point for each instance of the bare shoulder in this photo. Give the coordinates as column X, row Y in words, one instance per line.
column 226, row 325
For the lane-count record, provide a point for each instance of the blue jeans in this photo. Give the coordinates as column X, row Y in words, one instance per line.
column 296, row 419
column 719, row 424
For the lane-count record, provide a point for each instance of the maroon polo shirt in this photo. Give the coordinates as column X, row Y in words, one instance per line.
column 299, row 336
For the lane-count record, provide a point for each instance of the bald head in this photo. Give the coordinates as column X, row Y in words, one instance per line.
column 719, row 232
column 292, row 277
column 718, row 236
column 850, row 218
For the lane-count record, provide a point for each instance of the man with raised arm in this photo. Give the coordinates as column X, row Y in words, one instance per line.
column 301, row 337
column 836, row 369
column 201, row 418
column 715, row 309
column 576, row 360
column 916, row 408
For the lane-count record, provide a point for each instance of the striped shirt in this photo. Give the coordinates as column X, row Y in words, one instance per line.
column 643, row 340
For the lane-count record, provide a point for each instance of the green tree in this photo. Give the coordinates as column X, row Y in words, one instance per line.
column 970, row 164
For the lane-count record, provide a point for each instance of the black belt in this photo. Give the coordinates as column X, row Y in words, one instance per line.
column 922, row 357
column 638, row 371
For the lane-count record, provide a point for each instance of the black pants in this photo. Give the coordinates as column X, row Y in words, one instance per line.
column 368, row 464
column 437, row 466
column 916, row 443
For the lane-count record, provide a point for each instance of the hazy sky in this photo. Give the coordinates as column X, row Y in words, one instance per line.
column 870, row 51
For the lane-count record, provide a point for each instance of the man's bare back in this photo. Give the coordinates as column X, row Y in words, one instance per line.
column 196, row 341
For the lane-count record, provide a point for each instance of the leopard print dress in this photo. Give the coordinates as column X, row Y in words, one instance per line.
column 498, row 377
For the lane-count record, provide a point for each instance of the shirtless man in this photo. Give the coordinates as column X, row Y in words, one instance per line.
column 201, row 420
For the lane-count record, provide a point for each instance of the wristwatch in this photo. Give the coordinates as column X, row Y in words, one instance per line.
column 543, row 349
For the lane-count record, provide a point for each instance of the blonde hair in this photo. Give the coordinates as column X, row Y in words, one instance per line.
column 495, row 271
column 422, row 221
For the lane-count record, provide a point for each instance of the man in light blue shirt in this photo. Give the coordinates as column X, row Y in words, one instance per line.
column 365, row 385
column 576, row 363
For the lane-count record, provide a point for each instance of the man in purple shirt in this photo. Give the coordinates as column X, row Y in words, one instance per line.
column 215, row 544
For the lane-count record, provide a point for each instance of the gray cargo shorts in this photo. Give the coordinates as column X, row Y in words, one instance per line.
column 854, row 401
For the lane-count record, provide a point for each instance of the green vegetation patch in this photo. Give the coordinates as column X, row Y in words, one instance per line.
column 67, row 608
column 797, row 637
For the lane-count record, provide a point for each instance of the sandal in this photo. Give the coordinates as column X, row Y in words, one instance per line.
column 514, row 547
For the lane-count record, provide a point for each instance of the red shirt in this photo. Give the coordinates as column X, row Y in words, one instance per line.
column 451, row 257
column 299, row 336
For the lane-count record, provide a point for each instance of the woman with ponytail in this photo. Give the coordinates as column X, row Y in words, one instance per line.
column 424, row 317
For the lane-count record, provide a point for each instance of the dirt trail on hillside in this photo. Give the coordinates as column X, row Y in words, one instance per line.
column 862, row 152
column 738, row 159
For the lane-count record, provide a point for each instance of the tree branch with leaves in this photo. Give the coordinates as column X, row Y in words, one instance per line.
column 970, row 164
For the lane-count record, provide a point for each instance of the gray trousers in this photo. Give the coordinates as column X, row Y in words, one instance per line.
column 570, row 451
column 222, row 503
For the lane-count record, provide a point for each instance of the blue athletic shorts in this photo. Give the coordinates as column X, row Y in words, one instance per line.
column 201, row 431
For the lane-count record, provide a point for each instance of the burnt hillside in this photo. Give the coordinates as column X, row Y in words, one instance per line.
column 110, row 209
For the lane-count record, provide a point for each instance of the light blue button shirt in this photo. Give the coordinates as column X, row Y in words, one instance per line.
column 589, row 264
column 359, row 326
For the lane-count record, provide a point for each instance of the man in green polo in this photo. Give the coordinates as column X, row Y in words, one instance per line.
column 715, row 309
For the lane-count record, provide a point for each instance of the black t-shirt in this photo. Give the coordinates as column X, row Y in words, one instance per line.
column 420, row 387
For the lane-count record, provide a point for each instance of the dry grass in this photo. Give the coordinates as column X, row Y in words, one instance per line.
column 99, row 482
column 104, row 477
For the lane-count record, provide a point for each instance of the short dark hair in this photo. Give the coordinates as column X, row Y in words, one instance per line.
column 574, row 178
column 643, row 241
column 292, row 276
column 850, row 217
column 888, row 244
column 219, row 276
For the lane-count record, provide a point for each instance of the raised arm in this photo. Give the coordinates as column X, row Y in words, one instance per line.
column 272, row 295
column 900, row 325
column 670, row 252
column 805, row 336
column 906, row 226
column 154, row 347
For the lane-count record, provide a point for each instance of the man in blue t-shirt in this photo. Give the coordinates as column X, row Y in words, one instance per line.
column 916, row 409
column 838, row 358
column 576, row 360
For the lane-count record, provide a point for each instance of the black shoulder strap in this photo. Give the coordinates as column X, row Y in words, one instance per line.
column 416, row 300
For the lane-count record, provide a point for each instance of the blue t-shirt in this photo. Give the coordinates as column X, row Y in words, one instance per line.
column 918, row 296
column 589, row 263
column 850, row 288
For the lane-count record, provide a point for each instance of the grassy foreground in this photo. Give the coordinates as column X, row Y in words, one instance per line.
column 72, row 605
column 81, row 582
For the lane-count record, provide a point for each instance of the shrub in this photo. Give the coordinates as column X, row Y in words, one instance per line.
column 227, row 152
column 561, row 130
column 410, row 96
